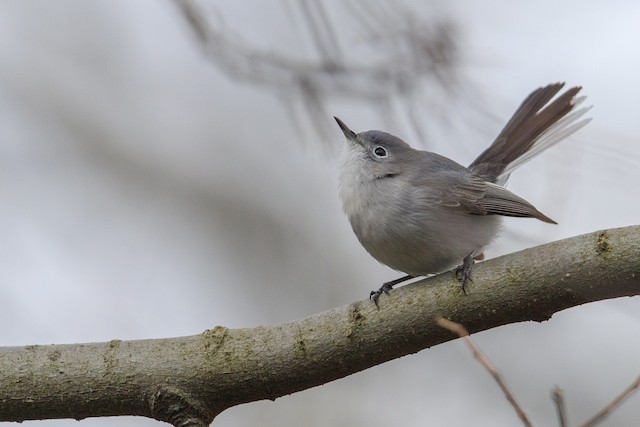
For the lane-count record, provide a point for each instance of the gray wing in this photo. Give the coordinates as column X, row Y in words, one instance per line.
column 446, row 183
column 484, row 198
column 479, row 197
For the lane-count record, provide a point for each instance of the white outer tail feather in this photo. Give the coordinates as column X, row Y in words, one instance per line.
column 556, row 133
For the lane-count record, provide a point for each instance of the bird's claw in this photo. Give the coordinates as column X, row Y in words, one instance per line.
column 463, row 272
column 384, row 289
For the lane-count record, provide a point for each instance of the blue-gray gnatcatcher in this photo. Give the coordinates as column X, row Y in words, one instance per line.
column 422, row 213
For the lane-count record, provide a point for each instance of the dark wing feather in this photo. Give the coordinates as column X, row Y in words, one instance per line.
column 500, row 201
column 446, row 183
column 479, row 197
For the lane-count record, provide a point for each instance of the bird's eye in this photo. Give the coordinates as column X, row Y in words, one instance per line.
column 380, row 152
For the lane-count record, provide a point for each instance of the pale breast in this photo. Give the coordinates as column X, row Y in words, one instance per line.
column 408, row 233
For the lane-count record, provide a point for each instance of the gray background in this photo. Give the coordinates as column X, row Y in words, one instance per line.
column 146, row 193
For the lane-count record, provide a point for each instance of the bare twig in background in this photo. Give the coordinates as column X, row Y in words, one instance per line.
column 462, row 332
column 406, row 54
column 607, row 410
column 558, row 397
column 557, row 394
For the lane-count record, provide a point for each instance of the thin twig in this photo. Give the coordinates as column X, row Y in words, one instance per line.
column 462, row 332
column 420, row 50
column 607, row 410
column 558, row 397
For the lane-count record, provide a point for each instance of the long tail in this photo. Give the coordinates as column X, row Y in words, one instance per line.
column 535, row 126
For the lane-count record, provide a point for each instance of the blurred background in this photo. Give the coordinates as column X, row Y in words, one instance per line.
column 166, row 167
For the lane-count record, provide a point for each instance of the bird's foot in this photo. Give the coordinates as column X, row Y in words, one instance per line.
column 386, row 287
column 463, row 272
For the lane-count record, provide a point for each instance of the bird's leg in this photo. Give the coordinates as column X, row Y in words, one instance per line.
column 463, row 272
column 386, row 287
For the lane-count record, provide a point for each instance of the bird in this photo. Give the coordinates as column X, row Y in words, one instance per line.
column 422, row 213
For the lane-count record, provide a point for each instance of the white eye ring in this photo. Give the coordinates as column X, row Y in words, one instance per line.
column 380, row 152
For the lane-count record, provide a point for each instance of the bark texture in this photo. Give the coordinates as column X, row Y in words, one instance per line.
column 187, row 381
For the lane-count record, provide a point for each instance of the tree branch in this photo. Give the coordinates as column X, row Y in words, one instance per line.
column 187, row 381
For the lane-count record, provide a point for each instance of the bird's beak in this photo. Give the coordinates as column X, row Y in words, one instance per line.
column 351, row 135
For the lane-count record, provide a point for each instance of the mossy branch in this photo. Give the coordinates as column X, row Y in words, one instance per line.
column 187, row 381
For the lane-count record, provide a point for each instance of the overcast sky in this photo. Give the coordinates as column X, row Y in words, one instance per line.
column 148, row 193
